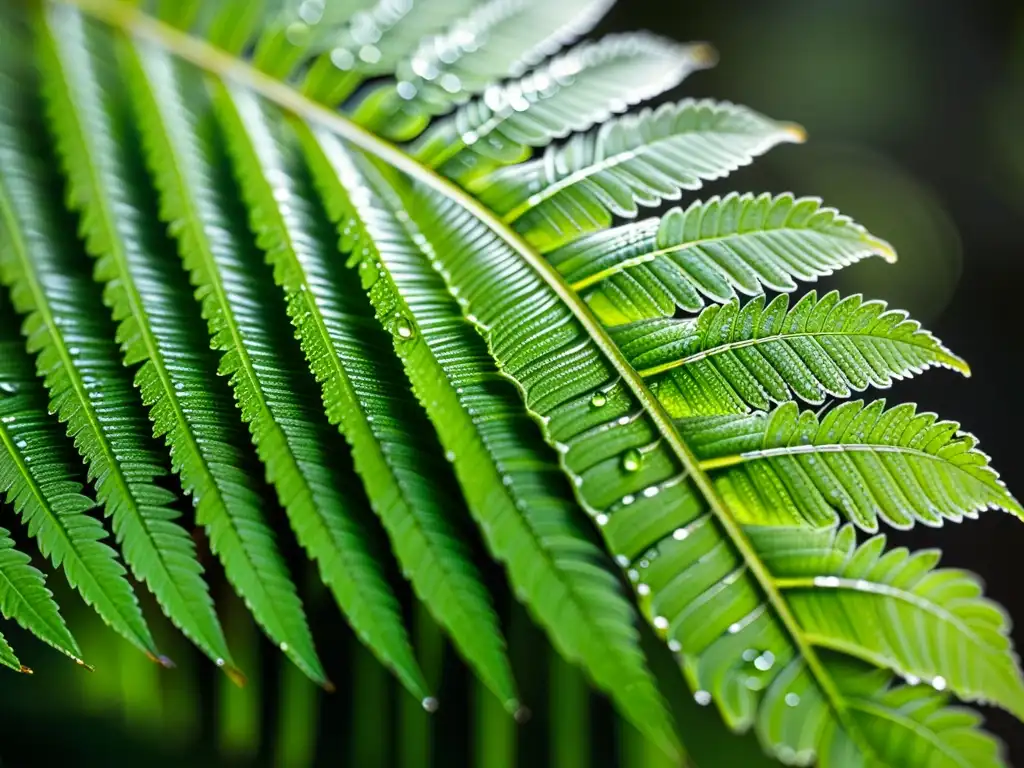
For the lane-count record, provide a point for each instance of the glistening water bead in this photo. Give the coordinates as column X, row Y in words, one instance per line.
column 631, row 460
column 599, row 399
column 402, row 328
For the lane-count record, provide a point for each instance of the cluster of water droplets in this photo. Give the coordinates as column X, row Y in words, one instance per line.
column 365, row 32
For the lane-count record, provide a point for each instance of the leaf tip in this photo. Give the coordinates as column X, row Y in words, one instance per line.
column 235, row 675
column 795, row 132
column 884, row 249
column 26, row 670
column 704, row 55
column 328, row 686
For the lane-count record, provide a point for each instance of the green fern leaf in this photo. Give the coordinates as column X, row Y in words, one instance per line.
column 248, row 325
column 36, row 475
column 705, row 588
column 395, row 30
column 9, row 659
column 497, row 40
column 627, row 163
column 526, row 514
column 149, row 297
column 25, row 598
column 713, row 249
column 393, row 454
column 572, row 93
column 732, row 359
column 860, row 600
column 89, row 389
column 790, row 467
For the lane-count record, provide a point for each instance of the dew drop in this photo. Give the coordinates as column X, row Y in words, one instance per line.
column 219, row 662
column 702, row 697
column 643, row 589
column 660, row 622
column 21, row 444
column 370, row 54
column 284, row 647
column 402, row 328
column 7, row 420
column 430, row 704
column 7, row 388
column 297, row 33
column 680, row 533
column 650, row 492
column 911, row 680
column 601, row 520
column 631, row 460
column 623, row 421
column 675, row 646
column 406, row 90
column 750, row 654
column 633, row 574
column 792, row 699
column 599, row 399
column 628, row 499
column 734, row 628
column 622, row 560
column 765, row 661
column 450, row 455
column 939, row 683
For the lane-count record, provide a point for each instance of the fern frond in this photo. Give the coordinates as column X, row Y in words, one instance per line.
column 731, row 359
column 525, row 511
column 859, row 600
column 712, row 250
column 497, row 40
column 628, row 163
column 367, row 398
column 276, row 395
column 25, row 598
column 789, row 467
column 90, row 390
column 37, row 477
column 374, row 42
column 572, row 93
column 158, row 326
column 705, row 588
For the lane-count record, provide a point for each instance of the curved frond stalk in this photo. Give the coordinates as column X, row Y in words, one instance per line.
column 159, row 326
column 711, row 595
column 629, row 162
column 861, row 600
column 89, row 388
column 25, row 599
column 497, row 40
column 277, row 396
column 572, row 93
column 789, row 467
column 509, row 478
column 37, row 477
column 732, row 359
column 712, row 250
column 374, row 42
column 365, row 394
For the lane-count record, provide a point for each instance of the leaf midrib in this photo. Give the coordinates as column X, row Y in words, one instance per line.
column 781, row 338
column 132, row 21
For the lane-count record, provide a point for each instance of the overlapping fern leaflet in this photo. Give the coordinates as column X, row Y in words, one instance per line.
column 248, row 324
column 863, row 462
column 524, row 509
column 571, row 93
column 733, row 358
column 90, row 391
column 395, row 453
column 41, row 485
column 159, row 327
column 713, row 250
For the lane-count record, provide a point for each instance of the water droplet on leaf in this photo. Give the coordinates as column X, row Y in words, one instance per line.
column 631, row 460
column 599, row 399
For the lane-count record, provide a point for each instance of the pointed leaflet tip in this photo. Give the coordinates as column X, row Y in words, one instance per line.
column 328, row 686
column 235, row 675
column 797, row 133
column 703, row 55
column 165, row 661
column 26, row 670
column 883, row 248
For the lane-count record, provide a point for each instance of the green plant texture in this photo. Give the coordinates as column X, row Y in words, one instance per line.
column 242, row 241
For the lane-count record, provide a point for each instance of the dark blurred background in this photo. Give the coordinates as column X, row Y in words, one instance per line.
column 914, row 110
